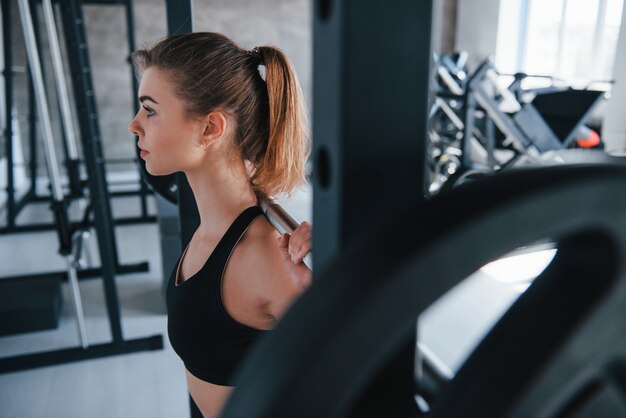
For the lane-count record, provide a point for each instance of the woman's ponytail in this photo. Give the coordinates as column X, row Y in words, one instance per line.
column 282, row 167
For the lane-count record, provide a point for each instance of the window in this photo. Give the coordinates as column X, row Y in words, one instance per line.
column 574, row 40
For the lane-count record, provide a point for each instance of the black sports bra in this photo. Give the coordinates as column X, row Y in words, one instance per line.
column 209, row 341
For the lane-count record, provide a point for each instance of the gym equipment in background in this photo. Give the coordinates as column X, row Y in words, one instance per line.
column 17, row 200
column 58, row 204
column 481, row 126
column 88, row 130
column 73, row 25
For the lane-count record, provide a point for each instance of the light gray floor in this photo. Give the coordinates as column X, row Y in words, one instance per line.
column 151, row 384
column 146, row 384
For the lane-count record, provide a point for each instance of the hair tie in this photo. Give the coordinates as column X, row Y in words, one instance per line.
column 255, row 54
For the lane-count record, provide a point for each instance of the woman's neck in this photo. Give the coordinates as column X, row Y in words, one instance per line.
column 222, row 192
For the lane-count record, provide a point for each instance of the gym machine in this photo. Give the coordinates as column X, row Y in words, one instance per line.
column 448, row 150
column 58, row 200
column 77, row 51
column 479, row 126
column 529, row 129
column 71, row 12
column 73, row 164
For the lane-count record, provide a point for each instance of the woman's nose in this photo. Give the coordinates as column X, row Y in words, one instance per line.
column 133, row 127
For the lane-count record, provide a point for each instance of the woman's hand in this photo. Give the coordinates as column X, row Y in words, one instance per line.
column 293, row 249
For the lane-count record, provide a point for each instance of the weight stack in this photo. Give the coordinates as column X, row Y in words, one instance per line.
column 29, row 305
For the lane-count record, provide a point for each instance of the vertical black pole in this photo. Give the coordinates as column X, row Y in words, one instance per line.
column 371, row 63
column 77, row 49
column 130, row 29
column 32, row 134
column 370, row 113
column 8, row 101
column 180, row 20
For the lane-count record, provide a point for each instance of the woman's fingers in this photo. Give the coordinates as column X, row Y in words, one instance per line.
column 300, row 242
column 283, row 246
column 283, row 242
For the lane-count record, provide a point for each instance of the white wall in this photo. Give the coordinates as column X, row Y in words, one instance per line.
column 614, row 128
column 477, row 29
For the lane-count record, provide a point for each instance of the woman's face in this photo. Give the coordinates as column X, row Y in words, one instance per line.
column 169, row 140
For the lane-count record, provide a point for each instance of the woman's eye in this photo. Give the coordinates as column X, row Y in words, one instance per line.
column 149, row 111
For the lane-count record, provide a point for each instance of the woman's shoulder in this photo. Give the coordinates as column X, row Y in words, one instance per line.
column 260, row 262
column 258, row 246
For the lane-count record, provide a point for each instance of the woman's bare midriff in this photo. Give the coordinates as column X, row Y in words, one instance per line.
column 209, row 397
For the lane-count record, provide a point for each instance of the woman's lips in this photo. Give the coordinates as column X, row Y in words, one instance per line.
column 143, row 153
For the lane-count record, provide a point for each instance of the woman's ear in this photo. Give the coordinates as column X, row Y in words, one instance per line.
column 214, row 129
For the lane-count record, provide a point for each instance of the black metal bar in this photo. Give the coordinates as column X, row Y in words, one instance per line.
column 490, row 134
column 71, row 165
column 179, row 16
column 49, row 358
column 73, row 24
column 32, row 134
column 73, row 173
column 369, row 148
column 469, row 110
column 180, row 20
column 92, row 273
column 40, row 199
column 136, row 220
column 63, row 226
column 363, row 169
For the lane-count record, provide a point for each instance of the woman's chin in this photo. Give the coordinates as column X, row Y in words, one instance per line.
column 157, row 172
